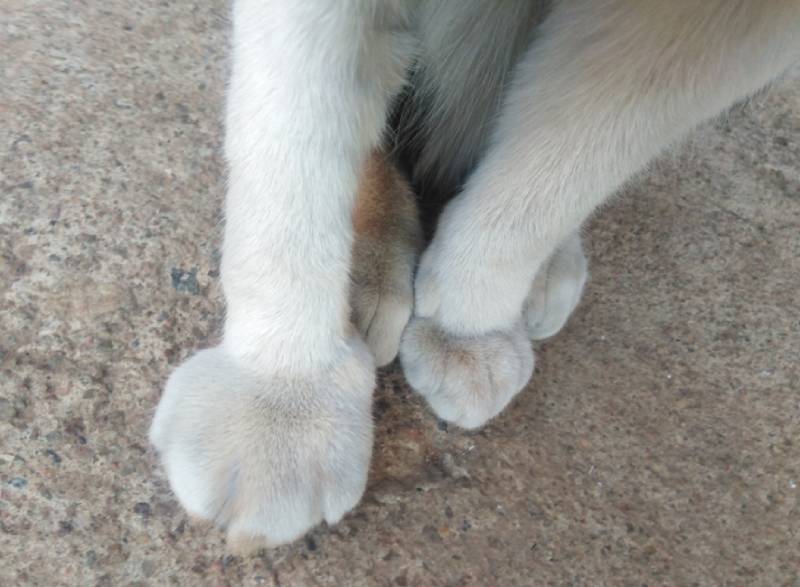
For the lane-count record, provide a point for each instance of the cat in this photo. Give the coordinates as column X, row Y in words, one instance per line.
column 529, row 113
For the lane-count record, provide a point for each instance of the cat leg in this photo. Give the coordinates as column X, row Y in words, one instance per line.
column 603, row 89
column 270, row 432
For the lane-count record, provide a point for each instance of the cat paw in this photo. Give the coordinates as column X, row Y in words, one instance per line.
column 556, row 290
column 467, row 380
column 266, row 457
column 382, row 297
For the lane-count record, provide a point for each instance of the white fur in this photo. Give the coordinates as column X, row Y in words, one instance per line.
column 309, row 91
column 466, row 380
column 606, row 86
column 264, row 456
column 556, row 290
column 270, row 432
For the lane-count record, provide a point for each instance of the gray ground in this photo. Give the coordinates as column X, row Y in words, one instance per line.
column 657, row 444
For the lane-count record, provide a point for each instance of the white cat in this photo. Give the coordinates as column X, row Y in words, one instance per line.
column 536, row 122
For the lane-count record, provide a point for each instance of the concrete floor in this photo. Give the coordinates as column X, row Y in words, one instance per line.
column 657, row 444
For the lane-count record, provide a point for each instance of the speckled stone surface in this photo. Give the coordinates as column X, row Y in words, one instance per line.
column 658, row 444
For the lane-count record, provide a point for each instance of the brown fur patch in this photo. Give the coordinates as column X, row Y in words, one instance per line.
column 384, row 197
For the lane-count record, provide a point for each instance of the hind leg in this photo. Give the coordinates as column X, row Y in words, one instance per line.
column 556, row 290
column 604, row 88
column 388, row 238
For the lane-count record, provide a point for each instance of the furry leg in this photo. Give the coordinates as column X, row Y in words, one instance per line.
column 604, row 88
column 271, row 432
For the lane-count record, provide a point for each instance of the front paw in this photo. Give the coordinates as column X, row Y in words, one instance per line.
column 466, row 380
column 266, row 457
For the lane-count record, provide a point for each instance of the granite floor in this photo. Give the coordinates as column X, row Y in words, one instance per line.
column 657, row 444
